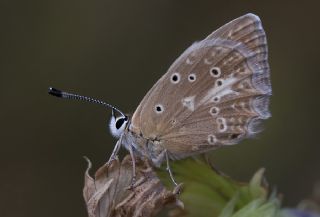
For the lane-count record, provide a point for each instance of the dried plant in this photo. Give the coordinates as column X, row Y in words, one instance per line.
column 109, row 192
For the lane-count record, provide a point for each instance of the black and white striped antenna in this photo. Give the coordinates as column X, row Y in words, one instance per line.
column 65, row 95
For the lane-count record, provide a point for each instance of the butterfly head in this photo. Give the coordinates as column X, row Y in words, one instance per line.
column 118, row 124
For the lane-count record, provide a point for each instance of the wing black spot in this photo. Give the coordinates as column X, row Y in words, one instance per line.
column 192, row 77
column 216, row 99
column 215, row 71
column 234, row 136
column 174, row 78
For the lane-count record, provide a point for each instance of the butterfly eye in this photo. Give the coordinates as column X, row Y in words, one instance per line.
column 175, row 78
column 120, row 122
column 159, row 108
column 215, row 72
column 192, row 77
column 117, row 125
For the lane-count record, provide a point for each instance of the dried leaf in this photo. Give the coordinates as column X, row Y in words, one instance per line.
column 109, row 193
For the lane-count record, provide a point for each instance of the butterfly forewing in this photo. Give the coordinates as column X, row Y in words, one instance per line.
column 214, row 94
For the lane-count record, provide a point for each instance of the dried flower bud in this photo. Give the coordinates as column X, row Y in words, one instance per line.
column 109, row 193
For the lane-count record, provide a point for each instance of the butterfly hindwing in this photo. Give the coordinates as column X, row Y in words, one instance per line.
column 214, row 94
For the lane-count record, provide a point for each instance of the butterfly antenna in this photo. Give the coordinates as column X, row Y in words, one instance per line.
column 65, row 95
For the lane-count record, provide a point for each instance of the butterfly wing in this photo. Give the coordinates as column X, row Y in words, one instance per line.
column 216, row 93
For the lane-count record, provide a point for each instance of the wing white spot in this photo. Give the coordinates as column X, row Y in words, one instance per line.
column 192, row 77
column 189, row 62
column 232, row 122
column 243, row 106
column 212, row 139
column 159, row 109
column 233, row 106
column 215, row 93
column 240, row 120
column 195, row 148
column 231, row 59
column 207, row 61
column 175, row 78
column 189, row 102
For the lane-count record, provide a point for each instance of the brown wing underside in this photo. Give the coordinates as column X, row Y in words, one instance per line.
column 214, row 94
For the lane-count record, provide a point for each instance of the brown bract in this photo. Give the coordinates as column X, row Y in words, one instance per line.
column 109, row 193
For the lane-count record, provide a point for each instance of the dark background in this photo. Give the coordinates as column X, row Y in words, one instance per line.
column 116, row 50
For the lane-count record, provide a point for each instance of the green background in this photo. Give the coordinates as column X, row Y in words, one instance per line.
column 116, row 50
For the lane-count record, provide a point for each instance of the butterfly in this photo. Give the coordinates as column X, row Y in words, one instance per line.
column 215, row 94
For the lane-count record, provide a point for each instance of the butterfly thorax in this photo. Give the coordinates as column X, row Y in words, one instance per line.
column 145, row 148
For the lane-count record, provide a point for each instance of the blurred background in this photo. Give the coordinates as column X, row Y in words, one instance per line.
column 116, row 50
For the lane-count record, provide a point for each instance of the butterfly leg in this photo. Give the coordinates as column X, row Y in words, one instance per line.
column 115, row 151
column 169, row 169
column 133, row 167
